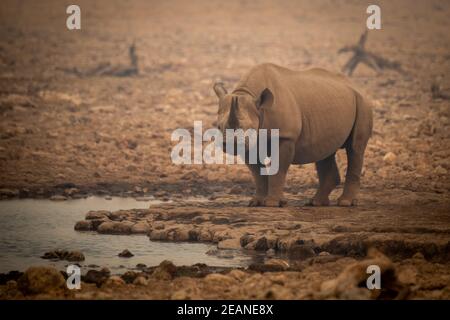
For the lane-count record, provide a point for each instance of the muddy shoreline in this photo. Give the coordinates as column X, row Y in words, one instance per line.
column 318, row 249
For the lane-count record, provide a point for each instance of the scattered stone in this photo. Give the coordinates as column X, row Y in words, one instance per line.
column 407, row 275
column 264, row 267
column 283, row 264
column 237, row 274
column 225, row 254
column 83, row 225
column 247, row 238
column 94, row 215
column 114, row 281
column 144, row 199
column 97, row 222
column 390, row 158
column 158, row 226
column 12, row 275
column 165, row 271
column 38, row 280
column 141, row 266
column 237, row 189
column 125, row 254
column 72, row 256
column 229, row 244
column 158, row 234
column 220, row 220
column 199, row 219
column 321, row 259
column 58, row 198
column 120, row 215
column 140, row 281
column 129, row 276
column 261, row 244
column 219, row 279
column 212, row 252
column 251, row 245
column 114, row 227
column 160, row 193
column 418, row 256
column 140, row 227
column 288, row 226
column 71, row 191
column 347, row 284
column 440, row 171
column 97, row 277
column 301, row 251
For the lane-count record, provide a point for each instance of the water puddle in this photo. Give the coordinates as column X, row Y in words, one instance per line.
column 30, row 227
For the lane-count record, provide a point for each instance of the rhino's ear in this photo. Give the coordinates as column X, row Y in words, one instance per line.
column 265, row 99
column 219, row 89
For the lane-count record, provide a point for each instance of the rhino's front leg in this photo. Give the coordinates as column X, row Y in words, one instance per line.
column 261, row 186
column 276, row 182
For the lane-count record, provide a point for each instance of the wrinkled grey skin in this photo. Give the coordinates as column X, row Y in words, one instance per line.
column 317, row 113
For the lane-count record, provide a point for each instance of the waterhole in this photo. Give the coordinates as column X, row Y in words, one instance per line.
column 31, row 227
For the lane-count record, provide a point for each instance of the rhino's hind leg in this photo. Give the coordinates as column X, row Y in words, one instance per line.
column 328, row 179
column 352, row 178
column 261, row 183
column 355, row 147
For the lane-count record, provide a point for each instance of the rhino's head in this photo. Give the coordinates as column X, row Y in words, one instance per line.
column 240, row 111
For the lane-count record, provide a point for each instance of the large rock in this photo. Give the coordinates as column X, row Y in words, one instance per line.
column 102, row 214
column 84, row 225
column 140, row 281
column 179, row 234
column 113, row 281
column 165, row 271
column 129, row 276
column 158, row 235
column 12, row 275
column 204, row 236
column 115, row 227
column 119, row 215
column 301, row 251
column 97, row 277
column 351, row 283
column 72, row 256
column 126, row 254
column 229, row 244
column 140, row 227
column 217, row 279
column 38, row 280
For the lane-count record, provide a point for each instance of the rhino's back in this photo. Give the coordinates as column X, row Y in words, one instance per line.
column 316, row 106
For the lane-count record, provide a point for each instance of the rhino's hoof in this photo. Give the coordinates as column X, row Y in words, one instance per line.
column 275, row 203
column 256, row 202
column 347, row 202
column 314, row 202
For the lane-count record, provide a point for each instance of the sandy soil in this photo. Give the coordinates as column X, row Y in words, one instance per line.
column 70, row 135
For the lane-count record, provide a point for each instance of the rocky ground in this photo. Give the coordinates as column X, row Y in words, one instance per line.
column 67, row 131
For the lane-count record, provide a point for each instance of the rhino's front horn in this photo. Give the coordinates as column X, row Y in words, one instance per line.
column 233, row 119
column 219, row 89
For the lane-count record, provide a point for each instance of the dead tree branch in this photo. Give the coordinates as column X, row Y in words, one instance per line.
column 106, row 69
column 361, row 55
